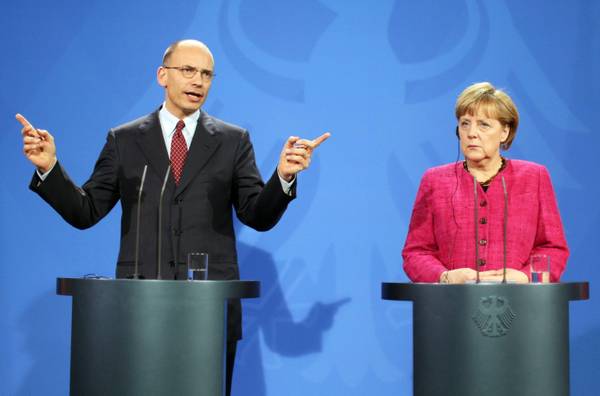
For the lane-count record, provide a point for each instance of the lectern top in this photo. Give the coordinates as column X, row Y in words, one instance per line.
column 209, row 289
column 414, row 291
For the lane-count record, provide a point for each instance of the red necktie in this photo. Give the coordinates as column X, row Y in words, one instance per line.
column 178, row 152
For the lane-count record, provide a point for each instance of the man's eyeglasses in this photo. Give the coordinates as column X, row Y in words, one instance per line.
column 190, row 72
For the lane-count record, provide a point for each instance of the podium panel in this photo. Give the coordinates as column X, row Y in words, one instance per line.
column 150, row 337
column 490, row 339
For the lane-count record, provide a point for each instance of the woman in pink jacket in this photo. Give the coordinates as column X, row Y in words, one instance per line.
column 457, row 224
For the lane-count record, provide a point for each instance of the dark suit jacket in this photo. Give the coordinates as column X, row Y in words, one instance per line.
column 220, row 173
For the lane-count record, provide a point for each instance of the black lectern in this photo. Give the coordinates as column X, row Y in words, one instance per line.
column 490, row 339
column 149, row 337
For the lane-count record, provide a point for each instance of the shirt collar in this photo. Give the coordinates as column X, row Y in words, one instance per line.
column 169, row 122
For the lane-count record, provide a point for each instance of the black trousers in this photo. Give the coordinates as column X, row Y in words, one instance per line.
column 229, row 363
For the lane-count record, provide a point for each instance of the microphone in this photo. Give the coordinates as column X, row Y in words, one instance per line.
column 160, row 205
column 504, row 224
column 136, row 275
column 476, row 203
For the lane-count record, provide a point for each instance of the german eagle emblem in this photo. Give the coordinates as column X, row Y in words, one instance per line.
column 494, row 316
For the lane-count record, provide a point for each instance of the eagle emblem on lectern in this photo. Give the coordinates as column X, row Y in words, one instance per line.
column 494, row 316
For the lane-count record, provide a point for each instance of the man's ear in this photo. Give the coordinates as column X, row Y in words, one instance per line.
column 161, row 76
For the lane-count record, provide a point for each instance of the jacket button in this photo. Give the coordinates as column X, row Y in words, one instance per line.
column 483, row 203
column 483, row 242
column 481, row 262
column 483, row 220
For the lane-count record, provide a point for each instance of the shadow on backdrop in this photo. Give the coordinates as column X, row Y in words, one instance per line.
column 269, row 318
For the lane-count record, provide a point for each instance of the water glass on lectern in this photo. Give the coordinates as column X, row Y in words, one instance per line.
column 540, row 268
column 197, row 264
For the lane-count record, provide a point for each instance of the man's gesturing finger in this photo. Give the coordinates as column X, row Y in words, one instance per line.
column 317, row 142
column 28, row 129
column 312, row 144
column 26, row 124
column 23, row 121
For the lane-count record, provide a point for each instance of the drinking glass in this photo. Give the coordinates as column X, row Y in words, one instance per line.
column 539, row 265
column 197, row 264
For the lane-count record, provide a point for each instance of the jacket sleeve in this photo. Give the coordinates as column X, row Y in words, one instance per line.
column 257, row 205
column 82, row 207
column 550, row 237
column 421, row 252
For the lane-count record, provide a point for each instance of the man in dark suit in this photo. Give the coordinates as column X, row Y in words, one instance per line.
column 212, row 170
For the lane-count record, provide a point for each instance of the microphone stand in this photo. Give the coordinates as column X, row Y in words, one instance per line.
column 505, row 222
column 476, row 203
column 136, row 274
column 160, row 205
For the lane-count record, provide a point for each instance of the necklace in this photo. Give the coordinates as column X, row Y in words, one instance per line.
column 488, row 181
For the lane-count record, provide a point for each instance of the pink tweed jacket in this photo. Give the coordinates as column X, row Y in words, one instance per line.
column 441, row 235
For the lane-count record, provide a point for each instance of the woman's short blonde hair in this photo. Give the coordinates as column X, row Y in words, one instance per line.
column 494, row 103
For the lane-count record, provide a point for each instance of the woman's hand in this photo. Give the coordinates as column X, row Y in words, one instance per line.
column 512, row 276
column 457, row 276
column 463, row 275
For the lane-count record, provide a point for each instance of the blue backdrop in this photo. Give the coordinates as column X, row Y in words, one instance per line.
column 381, row 76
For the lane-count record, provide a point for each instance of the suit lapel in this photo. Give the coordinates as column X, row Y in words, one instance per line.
column 152, row 144
column 203, row 146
